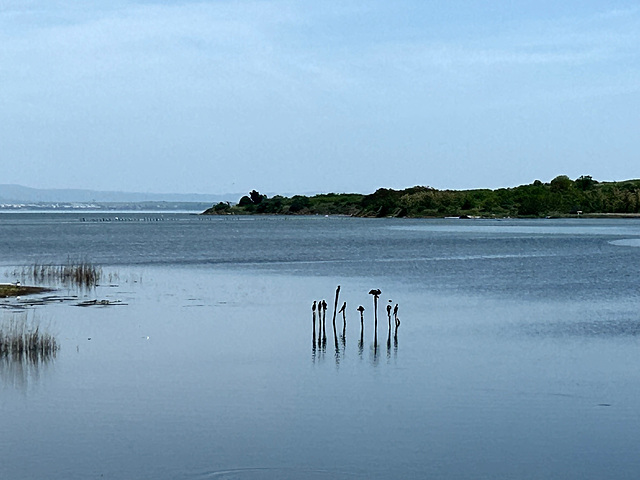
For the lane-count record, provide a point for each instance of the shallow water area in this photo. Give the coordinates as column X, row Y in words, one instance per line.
column 516, row 355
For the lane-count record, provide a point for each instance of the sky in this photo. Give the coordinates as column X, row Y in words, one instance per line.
column 293, row 97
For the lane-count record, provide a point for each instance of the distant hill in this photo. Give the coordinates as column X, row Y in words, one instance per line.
column 17, row 194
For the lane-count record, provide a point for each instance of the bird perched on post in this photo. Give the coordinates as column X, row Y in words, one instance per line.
column 343, row 311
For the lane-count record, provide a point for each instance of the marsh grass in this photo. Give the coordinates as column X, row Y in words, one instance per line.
column 79, row 273
column 23, row 339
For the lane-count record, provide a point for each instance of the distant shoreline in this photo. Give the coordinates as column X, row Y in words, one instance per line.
column 228, row 215
column 104, row 207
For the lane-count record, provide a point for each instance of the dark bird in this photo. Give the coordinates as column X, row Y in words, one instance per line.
column 343, row 311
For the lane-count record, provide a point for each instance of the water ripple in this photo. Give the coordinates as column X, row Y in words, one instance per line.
column 273, row 473
column 626, row 242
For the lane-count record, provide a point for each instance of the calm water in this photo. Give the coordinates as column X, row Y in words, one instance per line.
column 518, row 353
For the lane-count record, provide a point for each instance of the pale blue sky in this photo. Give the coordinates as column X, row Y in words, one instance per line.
column 292, row 96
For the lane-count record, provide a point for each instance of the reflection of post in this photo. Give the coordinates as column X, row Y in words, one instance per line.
column 337, row 347
column 313, row 348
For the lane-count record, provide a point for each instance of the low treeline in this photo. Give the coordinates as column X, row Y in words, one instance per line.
column 560, row 197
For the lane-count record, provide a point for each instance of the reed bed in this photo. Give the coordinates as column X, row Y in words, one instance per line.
column 80, row 273
column 23, row 339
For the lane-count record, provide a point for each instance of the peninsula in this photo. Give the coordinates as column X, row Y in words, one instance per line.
column 558, row 198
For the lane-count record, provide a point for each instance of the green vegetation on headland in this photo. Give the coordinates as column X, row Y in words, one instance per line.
column 560, row 197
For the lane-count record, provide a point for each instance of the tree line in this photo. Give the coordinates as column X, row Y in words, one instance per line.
column 561, row 196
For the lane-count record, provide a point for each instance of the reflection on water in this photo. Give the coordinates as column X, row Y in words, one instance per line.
column 280, row 473
column 584, row 328
column 20, row 370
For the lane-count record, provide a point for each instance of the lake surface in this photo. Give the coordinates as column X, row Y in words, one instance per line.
column 517, row 355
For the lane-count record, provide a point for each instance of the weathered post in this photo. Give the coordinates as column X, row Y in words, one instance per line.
column 324, row 322
column 376, row 294
column 361, row 342
column 313, row 309
column 335, row 306
column 343, row 310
